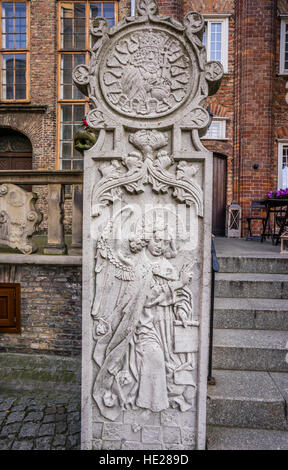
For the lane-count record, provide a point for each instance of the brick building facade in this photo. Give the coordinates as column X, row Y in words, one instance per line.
column 250, row 119
column 41, row 42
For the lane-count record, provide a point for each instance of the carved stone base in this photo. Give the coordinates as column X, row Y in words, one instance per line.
column 75, row 250
column 55, row 250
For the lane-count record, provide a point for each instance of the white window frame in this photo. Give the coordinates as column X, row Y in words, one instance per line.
column 224, row 40
column 282, row 69
column 222, row 129
column 281, row 146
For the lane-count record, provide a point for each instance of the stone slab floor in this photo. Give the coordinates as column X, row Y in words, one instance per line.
column 39, row 421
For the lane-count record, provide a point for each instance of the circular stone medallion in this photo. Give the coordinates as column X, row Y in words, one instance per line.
column 147, row 74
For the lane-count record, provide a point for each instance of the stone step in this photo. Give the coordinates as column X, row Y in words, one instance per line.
column 255, row 350
column 223, row 438
column 254, row 264
column 39, row 372
column 263, row 314
column 247, row 399
column 247, row 285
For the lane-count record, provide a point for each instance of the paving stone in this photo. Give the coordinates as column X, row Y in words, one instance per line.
column 61, row 427
column 34, row 416
column 9, row 429
column 42, row 415
column 59, row 440
column 51, row 410
column 73, row 417
column 16, row 417
column 3, row 416
column 6, row 404
column 43, row 443
column 22, row 445
column 29, row 430
column 5, row 444
column 73, row 441
column 49, row 419
column 73, row 428
column 47, row 429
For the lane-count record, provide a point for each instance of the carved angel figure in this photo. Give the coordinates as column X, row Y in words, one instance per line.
column 139, row 298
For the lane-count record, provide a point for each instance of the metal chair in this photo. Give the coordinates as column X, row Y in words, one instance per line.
column 257, row 208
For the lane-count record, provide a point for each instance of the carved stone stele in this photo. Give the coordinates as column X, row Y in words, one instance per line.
column 18, row 218
column 147, row 232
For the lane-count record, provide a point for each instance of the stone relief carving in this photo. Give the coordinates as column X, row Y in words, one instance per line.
column 147, row 74
column 18, row 218
column 147, row 167
column 147, row 82
column 145, row 337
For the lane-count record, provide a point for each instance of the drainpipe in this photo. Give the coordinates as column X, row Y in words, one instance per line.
column 133, row 7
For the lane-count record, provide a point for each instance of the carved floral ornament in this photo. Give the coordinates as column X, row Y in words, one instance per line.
column 149, row 71
column 147, row 167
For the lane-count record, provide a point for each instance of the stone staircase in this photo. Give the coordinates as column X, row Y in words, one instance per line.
column 247, row 408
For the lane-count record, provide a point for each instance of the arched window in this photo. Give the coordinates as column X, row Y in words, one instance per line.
column 15, row 150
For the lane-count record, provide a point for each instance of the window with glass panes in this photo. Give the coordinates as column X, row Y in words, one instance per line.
column 216, row 130
column 283, row 174
column 215, row 38
column 284, row 47
column 14, row 51
column 74, row 43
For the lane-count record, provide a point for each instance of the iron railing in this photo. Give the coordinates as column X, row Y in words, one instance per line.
column 214, row 269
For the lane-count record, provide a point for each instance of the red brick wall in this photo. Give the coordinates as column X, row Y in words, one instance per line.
column 252, row 94
column 40, row 127
column 255, row 66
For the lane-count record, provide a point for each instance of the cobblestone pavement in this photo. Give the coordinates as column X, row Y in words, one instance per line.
column 39, row 421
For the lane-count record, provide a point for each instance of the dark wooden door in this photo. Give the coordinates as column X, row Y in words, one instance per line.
column 219, row 194
column 10, row 308
column 10, row 161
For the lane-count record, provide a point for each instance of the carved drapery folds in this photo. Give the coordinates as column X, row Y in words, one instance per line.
column 147, row 81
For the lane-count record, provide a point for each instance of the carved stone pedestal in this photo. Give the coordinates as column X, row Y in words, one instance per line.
column 147, row 233
column 56, row 239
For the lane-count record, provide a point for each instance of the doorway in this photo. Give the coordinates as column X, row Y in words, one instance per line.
column 219, row 194
column 15, row 152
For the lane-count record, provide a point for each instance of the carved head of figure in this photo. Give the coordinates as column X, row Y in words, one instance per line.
column 158, row 243
column 157, row 234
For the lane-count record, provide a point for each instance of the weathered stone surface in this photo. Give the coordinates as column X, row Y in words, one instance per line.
column 151, row 434
column 251, row 285
column 18, row 218
column 147, row 233
column 246, row 399
column 223, row 438
column 250, row 350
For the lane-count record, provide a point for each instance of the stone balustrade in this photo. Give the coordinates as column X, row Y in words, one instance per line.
column 56, row 181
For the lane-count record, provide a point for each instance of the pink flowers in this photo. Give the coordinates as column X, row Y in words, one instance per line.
column 279, row 193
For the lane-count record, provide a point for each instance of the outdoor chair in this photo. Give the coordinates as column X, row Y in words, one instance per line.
column 258, row 211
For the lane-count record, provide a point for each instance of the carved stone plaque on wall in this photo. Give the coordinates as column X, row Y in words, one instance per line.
column 147, row 233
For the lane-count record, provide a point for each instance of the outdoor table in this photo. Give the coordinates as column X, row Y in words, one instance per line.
column 278, row 207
